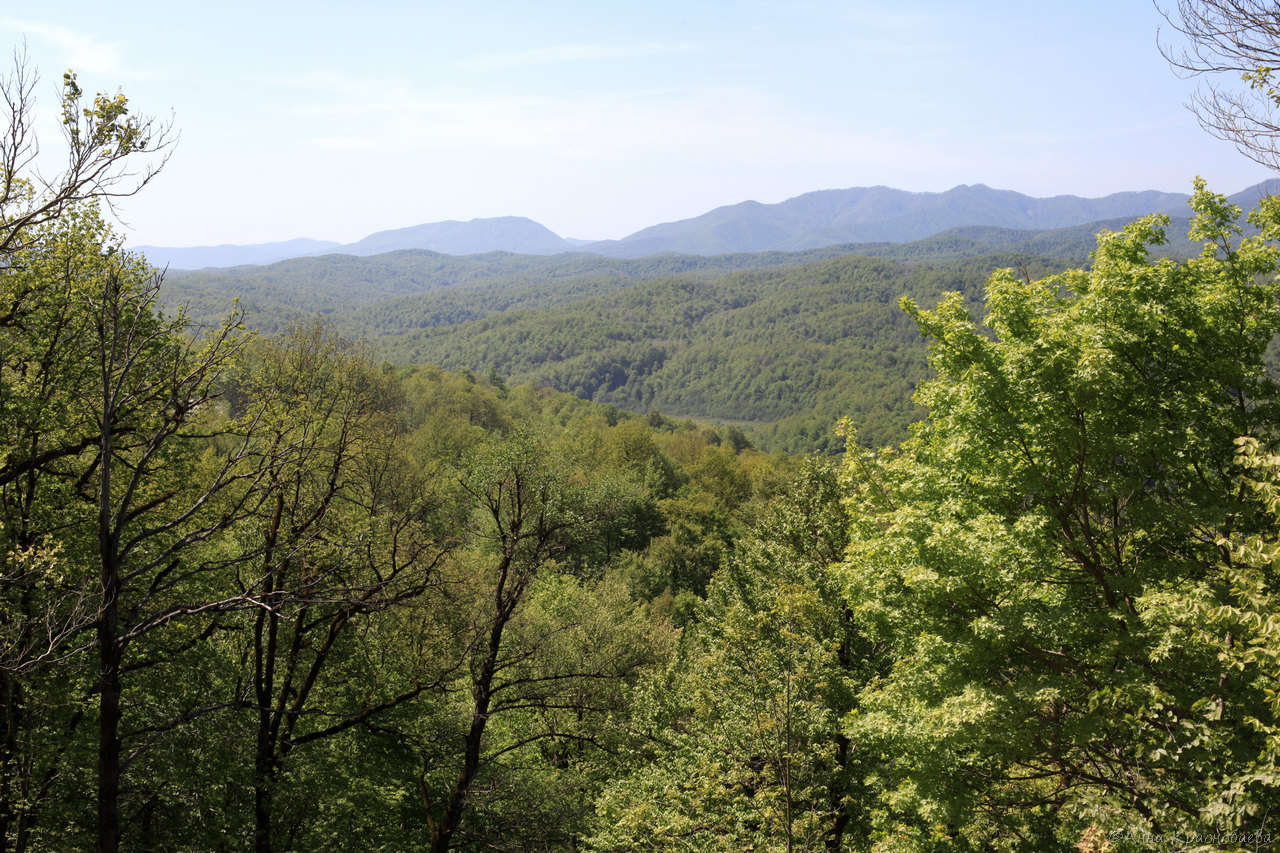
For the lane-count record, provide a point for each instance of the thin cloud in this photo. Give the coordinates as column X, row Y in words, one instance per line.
column 82, row 52
column 740, row 125
column 566, row 53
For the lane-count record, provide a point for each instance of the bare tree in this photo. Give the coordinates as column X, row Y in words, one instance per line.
column 1240, row 39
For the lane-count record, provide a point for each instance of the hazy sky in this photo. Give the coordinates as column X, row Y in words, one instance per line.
column 333, row 120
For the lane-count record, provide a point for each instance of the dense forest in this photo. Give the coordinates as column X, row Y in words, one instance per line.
column 274, row 590
column 782, row 345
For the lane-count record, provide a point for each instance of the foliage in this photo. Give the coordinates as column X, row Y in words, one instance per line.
column 106, row 404
column 785, row 350
column 1033, row 552
column 271, row 593
column 749, row 348
column 1242, row 628
column 747, row 749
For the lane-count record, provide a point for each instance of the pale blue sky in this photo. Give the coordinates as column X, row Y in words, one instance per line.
column 333, row 120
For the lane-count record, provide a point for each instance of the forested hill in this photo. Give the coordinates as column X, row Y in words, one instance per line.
column 783, row 352
column 275, row 294
column 331, row 284
column 781, row 344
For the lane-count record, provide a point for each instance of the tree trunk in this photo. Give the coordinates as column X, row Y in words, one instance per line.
column 109, row 652
column 482, row 695
column 266, row 644
column 108, row 724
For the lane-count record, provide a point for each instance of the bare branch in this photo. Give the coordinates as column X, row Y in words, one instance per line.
column 1240, row 39
column 110, row 154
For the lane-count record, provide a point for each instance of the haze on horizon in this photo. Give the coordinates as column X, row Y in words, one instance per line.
column 332, row 122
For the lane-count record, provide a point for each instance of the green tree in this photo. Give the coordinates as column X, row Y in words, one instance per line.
column 747, row 749
column 1243, row 629
column 47, row 243
column 154, row 392
column 103, row 469
column 1032, row 552
column 543, row 648
column 348, row 530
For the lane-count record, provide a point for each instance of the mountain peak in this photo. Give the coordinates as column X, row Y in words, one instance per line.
column 473, row 237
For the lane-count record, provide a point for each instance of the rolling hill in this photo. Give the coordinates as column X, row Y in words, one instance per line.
column 782, row 344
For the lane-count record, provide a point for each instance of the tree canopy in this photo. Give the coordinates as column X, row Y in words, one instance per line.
column 1037, row 553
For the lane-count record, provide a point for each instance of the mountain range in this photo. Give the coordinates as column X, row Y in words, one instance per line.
column 812, row 220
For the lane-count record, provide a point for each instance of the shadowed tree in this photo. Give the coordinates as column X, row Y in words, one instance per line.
column 545, row 648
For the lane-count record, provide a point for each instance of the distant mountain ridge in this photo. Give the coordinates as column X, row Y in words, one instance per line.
column 501, row 234
column 227, row 254
column 877, row 214
column 809, row 221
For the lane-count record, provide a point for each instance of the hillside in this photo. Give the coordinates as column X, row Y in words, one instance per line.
column 441, row 289
column 783, row 352
column 782, row 344
column 473, row 285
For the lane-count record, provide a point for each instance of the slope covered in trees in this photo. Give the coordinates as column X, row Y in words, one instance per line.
column 276, row 293
column 279, row 293
column 784, row 353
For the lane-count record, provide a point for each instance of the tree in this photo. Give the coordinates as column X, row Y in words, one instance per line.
column 1033, row 553
column 156, row 492
column 106, row 157
column 747, row 748
column 102, row 400
column 1239, row 38
column 1244, row 631
column 45, row 601
column 348, row 532
column 543, row 647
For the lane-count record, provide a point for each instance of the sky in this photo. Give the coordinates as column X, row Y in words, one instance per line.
column 334, row 120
